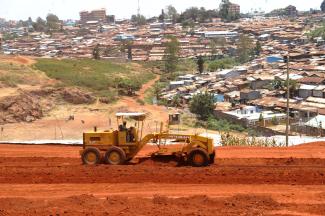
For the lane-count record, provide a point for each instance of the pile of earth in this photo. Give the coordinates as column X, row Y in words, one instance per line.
column 70, row 95
column 76, row 96
column 29, row 106
column 24, row 107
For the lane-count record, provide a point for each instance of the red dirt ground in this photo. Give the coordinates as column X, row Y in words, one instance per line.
column 50, row 180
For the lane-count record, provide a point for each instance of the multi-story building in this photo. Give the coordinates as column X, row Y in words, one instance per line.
column 95, row 15
column 99, row 14
column 234, row 9
column 84, row 16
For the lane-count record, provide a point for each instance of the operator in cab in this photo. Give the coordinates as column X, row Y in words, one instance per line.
column 123, row 127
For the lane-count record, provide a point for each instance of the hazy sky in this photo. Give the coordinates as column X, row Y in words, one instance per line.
column 69, row 9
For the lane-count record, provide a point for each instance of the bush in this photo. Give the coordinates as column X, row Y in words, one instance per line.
column 223, row 125
column 202, row 104
column 225, row 63
column 141, row 102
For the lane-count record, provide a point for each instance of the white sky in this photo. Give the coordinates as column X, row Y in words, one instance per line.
column 69, row 9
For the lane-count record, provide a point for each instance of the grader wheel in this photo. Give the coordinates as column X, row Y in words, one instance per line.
column 198, row 158
column 115, row 156
column 91, row 156
column 212, row 156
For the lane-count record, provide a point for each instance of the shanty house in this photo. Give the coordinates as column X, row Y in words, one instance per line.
column 306, row 91
column 248, row 95
column 319, row 91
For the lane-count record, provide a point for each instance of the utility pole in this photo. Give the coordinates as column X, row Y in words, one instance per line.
column 288, row 102
column 138, row 8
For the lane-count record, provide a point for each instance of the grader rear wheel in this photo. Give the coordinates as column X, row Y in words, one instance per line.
column 91, row 156
column 198, row 158
column 115, row 156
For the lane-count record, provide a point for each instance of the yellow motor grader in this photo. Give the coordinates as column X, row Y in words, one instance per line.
column 116, row 147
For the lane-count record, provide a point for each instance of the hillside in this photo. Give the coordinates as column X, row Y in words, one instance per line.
column 33, row 89
column 100, row 77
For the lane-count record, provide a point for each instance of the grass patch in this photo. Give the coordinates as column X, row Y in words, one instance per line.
column 149, row 95
column 212, row 123
column 101, row 77
column 141, row 102
column 12, row 74
column 224, row 63
column 183, row 65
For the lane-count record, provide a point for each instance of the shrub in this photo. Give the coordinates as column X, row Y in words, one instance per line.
column 224, row 63
column 202, row 104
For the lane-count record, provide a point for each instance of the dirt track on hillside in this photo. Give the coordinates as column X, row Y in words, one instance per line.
column 43, row 180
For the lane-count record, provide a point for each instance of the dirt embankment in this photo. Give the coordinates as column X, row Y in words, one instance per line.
column 45, row 180
column 29, row 106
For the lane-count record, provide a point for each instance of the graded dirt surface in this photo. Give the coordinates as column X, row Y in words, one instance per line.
column 50, row 180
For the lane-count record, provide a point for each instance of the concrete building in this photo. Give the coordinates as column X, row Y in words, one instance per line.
column 234, row 9
column 98, row 14
column 219, row 34
column 251, row 115
column 95, row 15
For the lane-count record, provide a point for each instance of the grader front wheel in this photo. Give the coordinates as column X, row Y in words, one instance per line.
column 91, row 156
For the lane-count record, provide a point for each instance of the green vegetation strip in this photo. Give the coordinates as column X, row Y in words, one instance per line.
column 98, row 76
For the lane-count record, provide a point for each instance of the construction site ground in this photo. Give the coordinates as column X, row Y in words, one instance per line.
column 50, row 180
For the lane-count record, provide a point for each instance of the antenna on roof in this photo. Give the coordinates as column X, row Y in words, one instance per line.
column 138, row 7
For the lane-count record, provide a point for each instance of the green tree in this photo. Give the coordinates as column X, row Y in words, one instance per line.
column 191, row 13
column 258, row 48
column 202, row 15
column 261, row 118
column 172, row 13
column 52, row 22
column 162, row 16
column 200, row 64
column 127, row 45
column 245, row 48
column 318, row 32
column 216, row 43
column 293, row 86
column 224, row 8
column 96, row 52
column 39, row 25
column 322, row 6
column 224, row 63
column 202, row 104
column 171, row 54
column 138, row 20
column 277, row 84
column 176, row 101
column 225, row 13
column 157, row 89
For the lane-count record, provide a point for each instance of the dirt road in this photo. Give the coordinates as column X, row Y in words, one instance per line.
column 45, row 180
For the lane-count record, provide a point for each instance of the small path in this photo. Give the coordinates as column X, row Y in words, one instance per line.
column 142, row 92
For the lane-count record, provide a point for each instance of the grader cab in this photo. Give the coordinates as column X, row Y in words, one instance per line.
column 116, row 147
